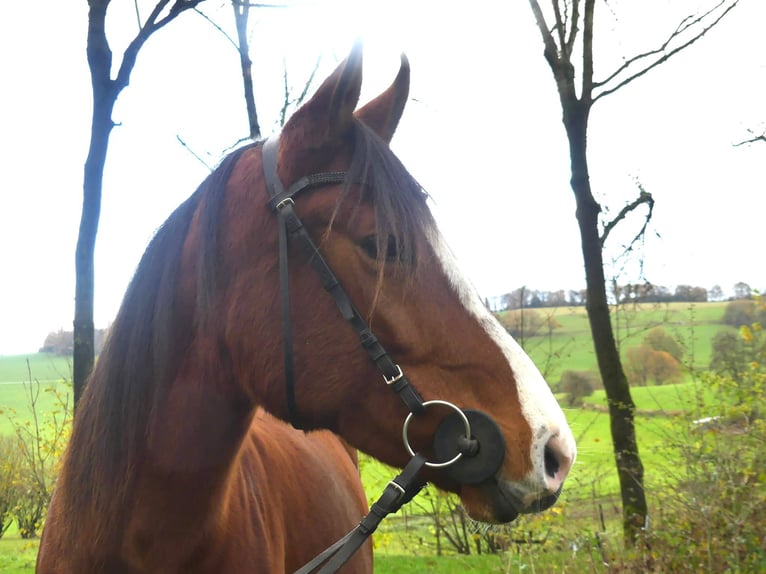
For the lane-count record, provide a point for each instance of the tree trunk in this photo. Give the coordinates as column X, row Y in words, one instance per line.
column 241, row 16
column 105, row 93
column 621, row 407
column 100, row 63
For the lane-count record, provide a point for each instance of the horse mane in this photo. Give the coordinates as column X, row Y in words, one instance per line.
column 141, row 355
column 151, row 334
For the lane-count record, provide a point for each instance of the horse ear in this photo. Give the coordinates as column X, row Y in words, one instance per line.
column 382, row 114
column 329, row 114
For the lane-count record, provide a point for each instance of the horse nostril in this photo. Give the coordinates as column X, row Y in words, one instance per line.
column 551, row 461
column 558, row 456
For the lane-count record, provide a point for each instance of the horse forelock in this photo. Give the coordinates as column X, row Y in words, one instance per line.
column 398, row 200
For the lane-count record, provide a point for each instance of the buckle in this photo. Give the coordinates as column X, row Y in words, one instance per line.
column 395, row 378
column 283, row 203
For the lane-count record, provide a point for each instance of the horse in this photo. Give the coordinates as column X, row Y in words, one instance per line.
column 182, row 458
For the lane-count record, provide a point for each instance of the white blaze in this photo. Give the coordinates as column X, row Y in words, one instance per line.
column 538, row 405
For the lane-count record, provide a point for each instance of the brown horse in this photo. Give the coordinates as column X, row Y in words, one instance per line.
column 174, row 464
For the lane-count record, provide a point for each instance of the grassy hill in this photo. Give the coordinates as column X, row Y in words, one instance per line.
column 569, row 345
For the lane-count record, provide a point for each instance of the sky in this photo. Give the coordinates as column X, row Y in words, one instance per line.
column 482, row 132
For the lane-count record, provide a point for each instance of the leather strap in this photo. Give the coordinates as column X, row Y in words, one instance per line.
column 291, row 228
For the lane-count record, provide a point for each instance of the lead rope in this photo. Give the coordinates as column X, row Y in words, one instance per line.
column 397, row 493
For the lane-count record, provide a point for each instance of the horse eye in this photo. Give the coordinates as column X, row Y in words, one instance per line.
column 369, row 245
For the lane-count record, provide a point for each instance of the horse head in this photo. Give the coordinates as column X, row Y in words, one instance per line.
column 376, row 233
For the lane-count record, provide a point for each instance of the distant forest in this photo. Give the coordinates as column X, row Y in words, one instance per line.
column 523, row 298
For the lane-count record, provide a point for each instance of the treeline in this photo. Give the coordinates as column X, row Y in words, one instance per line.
column 524, row 298
column 62, row 342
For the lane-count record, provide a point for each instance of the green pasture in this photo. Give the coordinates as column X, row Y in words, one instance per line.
column 569, row 346
column 44, row 367
column 48, row 373
column 404, row 542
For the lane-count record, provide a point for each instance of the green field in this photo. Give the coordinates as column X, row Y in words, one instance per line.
column 569, row 346
column 664, row 421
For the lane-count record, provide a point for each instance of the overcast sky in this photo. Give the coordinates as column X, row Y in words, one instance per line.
column 482, row 133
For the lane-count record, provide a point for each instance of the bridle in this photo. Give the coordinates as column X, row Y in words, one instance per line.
column 468, row 442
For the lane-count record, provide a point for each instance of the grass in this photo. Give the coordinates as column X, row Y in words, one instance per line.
column 17, row 556
column 570, row 347
column 52, row 372
column 45, row 367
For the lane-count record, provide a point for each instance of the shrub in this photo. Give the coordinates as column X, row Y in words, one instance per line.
column 660, row 340
column 39, row 443
column 714, row 520
column 579, row 384
column 10, row 463
column 644, row 364
column 744, row 312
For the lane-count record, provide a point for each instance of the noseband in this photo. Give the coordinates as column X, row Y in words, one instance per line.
column 469, row 442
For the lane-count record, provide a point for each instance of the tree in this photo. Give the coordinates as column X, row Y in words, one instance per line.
column 742, row 291
column 659, row 339
column 560, row 40
column 691, row 294
column 644, row 364
column 715, row 293
column 105, row 93
column 729, row 356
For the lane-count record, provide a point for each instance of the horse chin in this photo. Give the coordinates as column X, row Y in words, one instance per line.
column 498, row 501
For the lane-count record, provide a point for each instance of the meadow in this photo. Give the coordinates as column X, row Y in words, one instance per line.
column 590, row 501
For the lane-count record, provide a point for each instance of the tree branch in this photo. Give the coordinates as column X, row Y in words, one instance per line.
column 262, row 5
column 551, row 50
column 644, row 197
column 683, row 26
column 217, row 27
column 560, row 26
column 574, row 29
column 761, row 137
column 194, row 154
column 587, row 49
column 153, row 23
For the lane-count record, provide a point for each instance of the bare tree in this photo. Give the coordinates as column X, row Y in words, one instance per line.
column 571, row 35
column 105, row 93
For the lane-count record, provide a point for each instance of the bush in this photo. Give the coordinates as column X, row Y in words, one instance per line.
column 715, row 519
column 31, row 504
column 644, row 364
column 579, row 384
column 744, row 312
column 10, row 463
column 38, row 445
column 660, row 340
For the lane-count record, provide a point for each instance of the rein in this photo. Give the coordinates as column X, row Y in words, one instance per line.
column 458, row 438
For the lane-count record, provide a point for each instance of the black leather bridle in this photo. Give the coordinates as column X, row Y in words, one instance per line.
column 457, row 439
column 290, row 226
